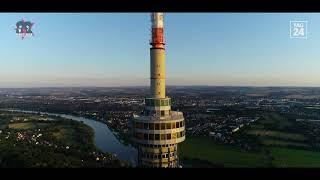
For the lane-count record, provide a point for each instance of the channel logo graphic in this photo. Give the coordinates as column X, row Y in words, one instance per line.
column 298, row 29
column 24, row 28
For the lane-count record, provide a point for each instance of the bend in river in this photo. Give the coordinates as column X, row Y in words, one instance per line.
column 104, row 138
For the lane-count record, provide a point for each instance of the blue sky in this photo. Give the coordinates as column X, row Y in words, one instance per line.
column 111, row 49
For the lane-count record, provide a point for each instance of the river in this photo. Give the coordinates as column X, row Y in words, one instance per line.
column 104, row 138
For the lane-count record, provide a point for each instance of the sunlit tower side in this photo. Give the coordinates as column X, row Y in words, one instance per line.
column 158, row 130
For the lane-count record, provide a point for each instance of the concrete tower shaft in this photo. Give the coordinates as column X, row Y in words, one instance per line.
column 157, row 73
column 157, row 57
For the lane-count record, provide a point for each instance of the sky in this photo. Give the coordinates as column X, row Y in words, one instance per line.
column 112, row 49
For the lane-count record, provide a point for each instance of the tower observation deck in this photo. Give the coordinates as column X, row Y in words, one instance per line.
column 158, row 130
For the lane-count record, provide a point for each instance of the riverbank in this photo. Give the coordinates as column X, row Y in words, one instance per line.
column 122, row 136
column 104, row 138
column 31, row 140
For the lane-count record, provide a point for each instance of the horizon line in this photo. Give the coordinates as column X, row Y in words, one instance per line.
column 144, row 86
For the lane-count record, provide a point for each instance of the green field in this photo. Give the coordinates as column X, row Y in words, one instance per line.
column 26, row 125
column 277, row 139
column 204, row 148
column 312, row 107
column 277, row 134
column 282, row 143
column 65, row 134
column 298, row 96
column 274, row 121
column 257, row 126
column 272, row 129
column 257, row 94
column 283, row 157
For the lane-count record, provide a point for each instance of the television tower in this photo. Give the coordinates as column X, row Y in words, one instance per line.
column 158, row 130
